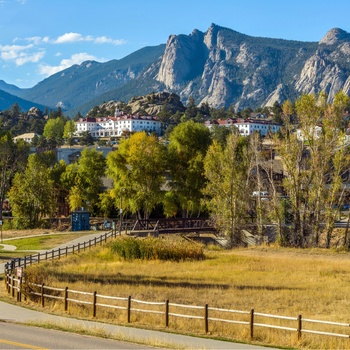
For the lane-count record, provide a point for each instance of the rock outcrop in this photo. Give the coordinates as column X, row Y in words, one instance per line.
column 223, row 67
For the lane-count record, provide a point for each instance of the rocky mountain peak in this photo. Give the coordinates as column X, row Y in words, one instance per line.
column 335, row 36
column 210, row 38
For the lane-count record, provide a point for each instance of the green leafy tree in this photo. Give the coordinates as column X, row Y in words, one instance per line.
column 15, row 110
column 220, row 134
column 31, row 193
column 37, row 125
column 13, row 157
column 69, row 131
column 188, row 143
column 83, row 180
column 77, row 117
column 86, row 139
column 227, row 172
column 277, row 112
column 137, row 169
column 191, row 110
column 53, row 130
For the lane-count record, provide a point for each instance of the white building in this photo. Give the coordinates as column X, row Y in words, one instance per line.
column 28, row 137
column 246, row 127
column 115, row 126
column 315, row 132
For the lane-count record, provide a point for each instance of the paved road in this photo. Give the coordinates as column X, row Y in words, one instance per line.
column 14, row 336
column 14, row 314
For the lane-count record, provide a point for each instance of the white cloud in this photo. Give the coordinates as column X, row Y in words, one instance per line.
column 69, row 38
column 37, row 40
column 77, row 58
column 14, row 49
column 20, row 54
column 105, row 40
column 25, row 58
column 76, row 37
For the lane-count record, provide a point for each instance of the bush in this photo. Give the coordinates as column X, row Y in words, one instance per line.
column 130, row 248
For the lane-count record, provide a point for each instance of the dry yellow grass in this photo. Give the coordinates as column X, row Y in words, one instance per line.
column 289, row 282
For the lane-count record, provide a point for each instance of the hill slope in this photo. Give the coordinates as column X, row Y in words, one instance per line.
column 7, row 100
column 219, row 67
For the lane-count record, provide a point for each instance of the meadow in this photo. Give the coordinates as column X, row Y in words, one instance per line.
column 287, row 282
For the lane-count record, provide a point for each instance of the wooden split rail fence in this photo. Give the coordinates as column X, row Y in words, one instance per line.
column 58, row 253
column 15, row 284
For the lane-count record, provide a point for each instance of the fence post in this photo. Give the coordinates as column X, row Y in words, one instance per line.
column 30, row 259
column 38, row 258
column 166, row 313
column 52, row 254
column 25, row 262
column 299, row 326
column 7, row 282
column 42, row 296
column 17, row 290
column 251, row 324
column 46, row 255
column 13, row 285
column 66, row 250
column 129, row 308
column 206, row 323
column 66, row 299
column 20, row 289
column 94, row 305
column 59, row 253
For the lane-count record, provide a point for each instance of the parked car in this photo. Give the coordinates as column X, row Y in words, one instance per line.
column 264, row 195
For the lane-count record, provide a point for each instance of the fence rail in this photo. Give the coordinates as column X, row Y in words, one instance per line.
column 58, row 253
column 16, row 286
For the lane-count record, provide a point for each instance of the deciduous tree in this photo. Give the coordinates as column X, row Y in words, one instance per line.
column 83, row 179
column 227, row 171
column 188, row 144
column 31, row 193
column 138, row 171
column 13, row 158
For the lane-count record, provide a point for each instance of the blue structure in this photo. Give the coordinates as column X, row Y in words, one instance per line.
column 80, row 220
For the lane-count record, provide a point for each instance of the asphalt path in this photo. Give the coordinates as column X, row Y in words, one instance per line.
column 14, row 336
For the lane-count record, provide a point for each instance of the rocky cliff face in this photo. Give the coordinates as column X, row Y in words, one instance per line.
column 328, row 68
column 223, row 67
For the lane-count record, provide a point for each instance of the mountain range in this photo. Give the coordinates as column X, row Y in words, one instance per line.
column 221, row 67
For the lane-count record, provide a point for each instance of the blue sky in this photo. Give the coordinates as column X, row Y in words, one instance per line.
column 41, row 37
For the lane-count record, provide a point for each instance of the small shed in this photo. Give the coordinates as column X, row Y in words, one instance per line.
column 80, row 220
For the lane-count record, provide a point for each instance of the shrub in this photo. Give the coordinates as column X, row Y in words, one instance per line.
column 130, row 248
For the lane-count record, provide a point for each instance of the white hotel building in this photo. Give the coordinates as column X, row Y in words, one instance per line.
column 115, row 126
column 246, row 127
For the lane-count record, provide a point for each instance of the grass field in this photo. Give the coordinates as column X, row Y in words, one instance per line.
column 27, row 241
column 42, row 242
column 287, row 282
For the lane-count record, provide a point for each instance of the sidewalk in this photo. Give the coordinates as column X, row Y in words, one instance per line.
column 14, row 313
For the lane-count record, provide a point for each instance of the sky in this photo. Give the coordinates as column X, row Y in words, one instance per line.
column 41, row 37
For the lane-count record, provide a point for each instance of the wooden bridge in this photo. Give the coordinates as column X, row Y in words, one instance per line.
column 177, row 225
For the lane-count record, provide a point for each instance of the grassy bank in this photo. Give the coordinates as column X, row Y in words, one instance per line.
column 314, row 283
